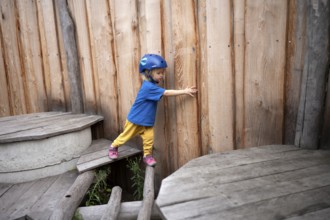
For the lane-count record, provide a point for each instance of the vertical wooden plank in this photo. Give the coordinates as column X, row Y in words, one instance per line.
column 325, row 137
column 50, row 56
column 296, row 41
column 127, row 54
column 90, row 87
column 36, row 100
column 4, row 97
column 104, row 68
column 169, row 104
column 264, row 71
column 220, row 76
column 185, row 45
column 11, row 55
column 316, row 64
column 202, row 77
column 239, row 48
column 151, row 43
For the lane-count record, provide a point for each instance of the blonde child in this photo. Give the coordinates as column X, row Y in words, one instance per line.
column 141, row 118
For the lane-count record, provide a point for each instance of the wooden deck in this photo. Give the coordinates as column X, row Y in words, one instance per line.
column 36, row 199
column 270, row 182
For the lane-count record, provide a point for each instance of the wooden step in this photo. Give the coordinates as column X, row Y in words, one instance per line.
column 97, row 155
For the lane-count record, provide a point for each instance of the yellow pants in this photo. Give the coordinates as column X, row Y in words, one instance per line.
column 131, row 130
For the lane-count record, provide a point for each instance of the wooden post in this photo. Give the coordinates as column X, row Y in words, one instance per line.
column 70, row 46
column 148, row 195
column 315, row 69
column 67, row 206
column 113, row 206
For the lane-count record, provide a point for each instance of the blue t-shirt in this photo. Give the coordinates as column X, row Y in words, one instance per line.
column 143, row 111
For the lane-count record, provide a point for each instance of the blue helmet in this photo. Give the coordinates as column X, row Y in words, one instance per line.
column 151, row 61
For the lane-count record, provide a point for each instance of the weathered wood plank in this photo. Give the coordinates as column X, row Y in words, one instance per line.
column 101, row 158
column 239, row 51
column 36, row 99
column 4, row 187
column 185, row 59
column 12, row 58
column 66, row 207
column 208, row 191
column 25, row 122
column 128, row 211
column 65, row 124
column 234, row 178
column 113, row 207
column 70, row 46
column 266, row 38
column 220, row 76
column 50, row 56
column 296, row 48
column 322, row 214
column 104, row 70
column 310, row 203
column 316, row 62
column 27, row 199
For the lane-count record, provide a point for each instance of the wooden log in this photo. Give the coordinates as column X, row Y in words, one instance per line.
column 128, row 211
column 67, row 206
column 220, row 76
column 113, row 206
column 316, row 64
column 148, row 195
column 68, row 31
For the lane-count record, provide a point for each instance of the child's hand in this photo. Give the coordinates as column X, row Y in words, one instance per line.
column 190, row 91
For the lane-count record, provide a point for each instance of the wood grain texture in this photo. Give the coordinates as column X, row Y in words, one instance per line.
column 256, row 183
column 185, row 46
column 97, row 155
column 104, row 69
column 264, row 72
column 113, row 206
column 51, row 56
column 220, row 76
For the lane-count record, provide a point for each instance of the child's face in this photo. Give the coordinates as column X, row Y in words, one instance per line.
column 158, row 75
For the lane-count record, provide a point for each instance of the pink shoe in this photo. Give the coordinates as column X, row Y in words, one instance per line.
column 113, row 152
column 149, row 160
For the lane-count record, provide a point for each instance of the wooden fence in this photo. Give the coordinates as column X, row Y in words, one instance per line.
column 245, row 56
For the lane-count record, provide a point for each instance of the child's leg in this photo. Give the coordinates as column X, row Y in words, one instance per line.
column 148, row 142
column 130, row 131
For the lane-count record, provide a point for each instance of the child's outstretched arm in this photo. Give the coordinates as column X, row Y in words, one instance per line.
column 187, row 91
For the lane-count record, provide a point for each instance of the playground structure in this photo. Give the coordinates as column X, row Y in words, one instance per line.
column 261, row 68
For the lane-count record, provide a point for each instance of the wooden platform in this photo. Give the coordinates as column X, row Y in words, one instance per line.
column 97, row 155
column 35, row 199
column 270, row 182
column 43, row 125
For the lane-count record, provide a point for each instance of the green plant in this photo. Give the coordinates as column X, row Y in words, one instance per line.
column 137, row 177
column 99, row 192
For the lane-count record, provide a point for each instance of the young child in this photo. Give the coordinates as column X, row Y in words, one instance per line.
column 141, row 118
